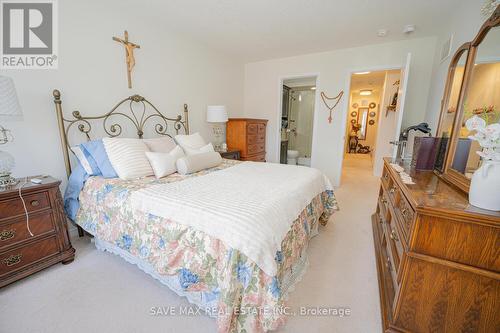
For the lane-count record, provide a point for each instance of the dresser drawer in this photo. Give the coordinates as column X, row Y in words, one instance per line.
column 255, row 158
column 404, row 213
column 252, row 129
column 21, row 257
column 16, row 231
column 14, row 207
column 255, row 148
column 261, row 128
column 254, row 139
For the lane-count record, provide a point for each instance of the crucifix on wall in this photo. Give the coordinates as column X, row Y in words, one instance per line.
column 129, row 55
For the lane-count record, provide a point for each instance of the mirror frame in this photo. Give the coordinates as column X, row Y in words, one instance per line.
column 451, row 175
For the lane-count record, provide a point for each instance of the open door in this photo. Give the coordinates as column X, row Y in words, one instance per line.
column 403, row 84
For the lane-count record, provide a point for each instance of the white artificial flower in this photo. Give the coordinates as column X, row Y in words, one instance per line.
column 488, row 137
column 475, row 123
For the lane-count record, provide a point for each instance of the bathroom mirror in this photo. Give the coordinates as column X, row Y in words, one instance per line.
column 362, row 121
column 479, row 95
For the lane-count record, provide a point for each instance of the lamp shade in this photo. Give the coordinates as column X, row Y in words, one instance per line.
column 216, row 114
column 9, row 104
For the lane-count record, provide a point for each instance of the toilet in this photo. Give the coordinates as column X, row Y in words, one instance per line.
column 291, row 157
column 304, row 161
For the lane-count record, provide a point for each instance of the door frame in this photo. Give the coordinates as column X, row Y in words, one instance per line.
column 345, row 111
column 281, row 80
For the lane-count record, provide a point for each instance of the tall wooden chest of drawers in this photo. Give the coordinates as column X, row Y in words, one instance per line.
column 249, row 137
column 438, row 258
column 20, row 253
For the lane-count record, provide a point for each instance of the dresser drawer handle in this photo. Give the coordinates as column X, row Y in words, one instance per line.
column 394, row 236
column 35, row 203
column 7, row 234
column 392, row 190
column 384, row 200
column 386, row 176
column 13, row 260
column 388, row 264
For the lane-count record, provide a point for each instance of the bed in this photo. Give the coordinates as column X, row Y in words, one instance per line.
column 235, row 257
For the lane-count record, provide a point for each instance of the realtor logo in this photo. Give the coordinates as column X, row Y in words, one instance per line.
column 29, row 34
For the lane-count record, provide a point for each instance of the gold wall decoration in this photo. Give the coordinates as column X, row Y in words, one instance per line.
column 337, row 99
column 129, row 55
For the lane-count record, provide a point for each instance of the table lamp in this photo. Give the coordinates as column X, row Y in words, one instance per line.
column 9, row 110
column 217, row 115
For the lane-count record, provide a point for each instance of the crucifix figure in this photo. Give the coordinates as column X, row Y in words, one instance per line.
column 129, row 54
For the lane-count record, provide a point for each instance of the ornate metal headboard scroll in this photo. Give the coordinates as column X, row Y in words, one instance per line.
column 138, row 118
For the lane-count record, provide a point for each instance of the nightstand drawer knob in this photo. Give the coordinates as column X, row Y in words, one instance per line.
column 35, row 203
column 7, row 234
column 13, row 259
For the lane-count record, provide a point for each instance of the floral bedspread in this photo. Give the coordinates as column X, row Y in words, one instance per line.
column 247, row 299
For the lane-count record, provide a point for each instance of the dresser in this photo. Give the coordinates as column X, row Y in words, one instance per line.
column 249, row 137
column 438, row 258
column 20, row 253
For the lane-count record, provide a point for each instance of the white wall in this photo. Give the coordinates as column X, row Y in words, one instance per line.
column 387, row 123
column 171, row 70
column 464, row 21
column 262, row 92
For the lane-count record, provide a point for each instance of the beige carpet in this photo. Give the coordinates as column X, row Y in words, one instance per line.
column 100, row 292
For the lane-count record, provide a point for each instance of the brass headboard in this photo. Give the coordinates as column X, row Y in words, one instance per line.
column 113, row 128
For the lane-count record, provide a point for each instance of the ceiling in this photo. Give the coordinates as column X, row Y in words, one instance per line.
column 373, row 81
column 255, row 30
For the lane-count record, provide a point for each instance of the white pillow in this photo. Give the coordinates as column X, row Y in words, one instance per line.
column 160, row 145
column 205, row 149
column 128, row 157
column 163, row 164
column 198, row 162
column 193, row 141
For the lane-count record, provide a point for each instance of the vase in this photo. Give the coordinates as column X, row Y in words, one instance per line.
column 484, row 191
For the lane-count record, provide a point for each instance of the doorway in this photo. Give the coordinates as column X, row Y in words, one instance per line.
column 297, row 117
column 371, row 119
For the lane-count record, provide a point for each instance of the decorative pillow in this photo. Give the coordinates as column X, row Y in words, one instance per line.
column 198, row 162
column 163, row 164
column 97, row 151
column 128, row 157
column 160, row 145
column 193, row 141
column 205, row 149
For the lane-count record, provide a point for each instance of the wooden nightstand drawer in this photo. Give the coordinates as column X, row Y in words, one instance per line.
column 34, row 202
column 28, row 254
column 16, row 231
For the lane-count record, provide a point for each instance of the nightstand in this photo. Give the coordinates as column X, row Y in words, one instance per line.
column 20, row 253
column 231, row 154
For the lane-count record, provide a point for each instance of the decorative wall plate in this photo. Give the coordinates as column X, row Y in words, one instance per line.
column 354, row 114
column 355, row 105
column 353, row 121
column 372, row 114
column 372, row 105
column 371, row 122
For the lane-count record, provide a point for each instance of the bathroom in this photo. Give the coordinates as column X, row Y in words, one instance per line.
column 299, row 95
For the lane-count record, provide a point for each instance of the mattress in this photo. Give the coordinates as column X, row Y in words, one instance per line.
column 194, row 264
